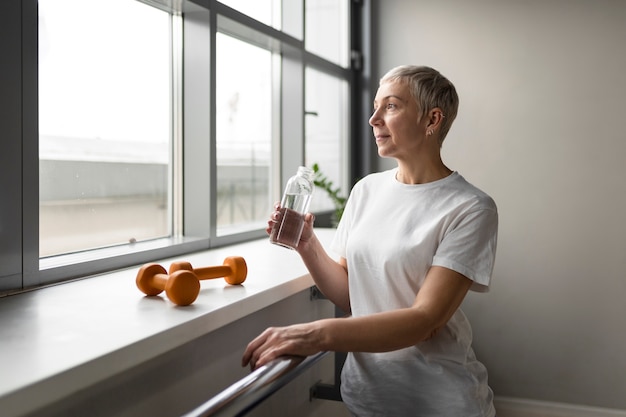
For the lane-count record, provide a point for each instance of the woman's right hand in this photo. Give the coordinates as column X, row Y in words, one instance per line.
column 307, row 231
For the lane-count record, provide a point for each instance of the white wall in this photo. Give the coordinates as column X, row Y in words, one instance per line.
column 540, row 128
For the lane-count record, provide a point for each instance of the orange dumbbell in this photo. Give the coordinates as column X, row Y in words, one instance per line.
column 181, row 287
column 234, row 270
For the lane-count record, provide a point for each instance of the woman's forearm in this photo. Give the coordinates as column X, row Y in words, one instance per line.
column 330, row 277
column 381, row 332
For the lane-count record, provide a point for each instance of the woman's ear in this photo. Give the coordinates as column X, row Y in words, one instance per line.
column 435, row 117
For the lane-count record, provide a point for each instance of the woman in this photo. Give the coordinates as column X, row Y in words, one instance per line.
column 412, row 242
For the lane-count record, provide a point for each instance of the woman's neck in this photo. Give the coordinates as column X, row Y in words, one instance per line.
column 421, row 173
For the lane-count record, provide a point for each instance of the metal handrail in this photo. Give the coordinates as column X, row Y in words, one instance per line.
column 250, row 391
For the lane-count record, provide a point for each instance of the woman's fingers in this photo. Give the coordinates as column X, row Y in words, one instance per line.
column 253, row 347
column 275, row 342
column 274, row 218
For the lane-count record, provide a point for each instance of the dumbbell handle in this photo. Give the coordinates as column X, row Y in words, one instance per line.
column 234, row 270
column 158, row 281
column 210, row 272
column 206, row 272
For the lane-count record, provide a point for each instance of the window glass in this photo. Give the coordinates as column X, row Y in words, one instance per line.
column 293, row 16
column 326, row 125
column 243, row 134
column 327, row 29
column 265, row 11
column 104, row 123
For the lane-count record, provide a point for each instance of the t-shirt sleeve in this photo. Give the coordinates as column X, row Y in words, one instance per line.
column 469, row 248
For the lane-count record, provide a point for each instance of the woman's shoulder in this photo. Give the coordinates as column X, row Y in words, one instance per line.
column 375, row 178
column 472, row 192
column 374, row 182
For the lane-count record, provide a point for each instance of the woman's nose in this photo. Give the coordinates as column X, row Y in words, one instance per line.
column 375, row 118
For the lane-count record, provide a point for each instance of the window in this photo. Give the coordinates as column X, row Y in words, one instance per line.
column 157, row 142
column 327, row 30
column 104, row 124
column 244, row 115
column 265, row 11
column 326, row 127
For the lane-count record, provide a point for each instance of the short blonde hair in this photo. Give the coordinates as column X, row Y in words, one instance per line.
column 429, row 89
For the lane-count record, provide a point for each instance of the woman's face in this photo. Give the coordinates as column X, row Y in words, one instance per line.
column 395, row 121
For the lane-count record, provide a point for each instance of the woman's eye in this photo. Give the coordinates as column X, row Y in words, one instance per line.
column 387, row 106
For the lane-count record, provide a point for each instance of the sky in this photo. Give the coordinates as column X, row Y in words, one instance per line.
column 101, row 74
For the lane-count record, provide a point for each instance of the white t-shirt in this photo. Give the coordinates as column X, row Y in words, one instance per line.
column 391, row 234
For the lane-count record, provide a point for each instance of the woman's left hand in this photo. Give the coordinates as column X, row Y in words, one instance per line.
column 296, row 340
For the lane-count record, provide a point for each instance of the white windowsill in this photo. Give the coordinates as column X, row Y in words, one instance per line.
column 56, row 340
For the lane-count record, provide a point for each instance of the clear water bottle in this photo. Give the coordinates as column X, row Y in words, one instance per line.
column 294, row 205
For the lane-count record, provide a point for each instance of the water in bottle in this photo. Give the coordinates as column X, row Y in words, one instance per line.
column 294, row 205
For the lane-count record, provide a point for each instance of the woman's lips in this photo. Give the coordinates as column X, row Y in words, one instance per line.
column 381, row 138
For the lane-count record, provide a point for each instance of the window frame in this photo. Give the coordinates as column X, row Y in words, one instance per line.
column 21, row 267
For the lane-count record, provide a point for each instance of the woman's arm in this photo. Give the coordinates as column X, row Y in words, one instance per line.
column 330, row 276
column 440, row 296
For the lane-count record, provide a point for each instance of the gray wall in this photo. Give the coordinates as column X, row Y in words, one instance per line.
column 540, row 128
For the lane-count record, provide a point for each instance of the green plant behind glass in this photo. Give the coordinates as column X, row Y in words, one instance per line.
column 321, row 181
